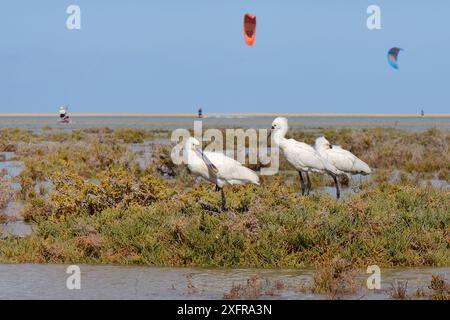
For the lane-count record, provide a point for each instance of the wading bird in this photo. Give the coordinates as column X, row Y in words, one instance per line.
column 340, row 158
column 302, row 156
column 216, row 167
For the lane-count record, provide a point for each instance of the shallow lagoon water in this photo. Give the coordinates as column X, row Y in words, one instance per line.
column 220, row 121
column 13, row 168
column 15, row 226
column 36, row 281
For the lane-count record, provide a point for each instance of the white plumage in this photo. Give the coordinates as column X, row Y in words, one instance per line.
column 216, row 167
column 305, row 158
column 302, row 156
column 342, row 159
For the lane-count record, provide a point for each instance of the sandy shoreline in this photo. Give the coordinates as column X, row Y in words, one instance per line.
column 192, row 115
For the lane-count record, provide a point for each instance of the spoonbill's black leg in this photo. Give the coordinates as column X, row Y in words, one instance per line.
column 302, row 183
column 338, row 192
column 308, row 184
column 223, row 200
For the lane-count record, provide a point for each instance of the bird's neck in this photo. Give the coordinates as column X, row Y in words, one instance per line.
column 189, row 155
column 321, row 151
column 279, row 136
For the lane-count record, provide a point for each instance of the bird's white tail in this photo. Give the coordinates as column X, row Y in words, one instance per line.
column 247, row 175
column 331, row 168
column 362, row 167
column 254, row 177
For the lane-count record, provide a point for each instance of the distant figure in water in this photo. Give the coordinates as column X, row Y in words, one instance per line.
column 422, row 113
column 63, row 114
column 200, row 115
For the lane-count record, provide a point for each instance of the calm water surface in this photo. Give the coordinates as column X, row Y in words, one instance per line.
column 34, row 281
column 170, row 123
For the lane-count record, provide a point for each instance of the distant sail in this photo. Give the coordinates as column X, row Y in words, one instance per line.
column 249, row 29
column 393, row 57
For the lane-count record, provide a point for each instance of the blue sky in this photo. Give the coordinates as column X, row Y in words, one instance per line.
column 171, row 56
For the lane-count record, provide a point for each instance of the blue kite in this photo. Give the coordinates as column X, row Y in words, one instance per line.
column 392, row 57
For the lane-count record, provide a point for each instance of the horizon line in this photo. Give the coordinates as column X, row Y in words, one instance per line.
column 194, row 115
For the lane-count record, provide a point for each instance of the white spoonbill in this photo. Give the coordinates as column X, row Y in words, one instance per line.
column 216, row 167
column 302, row 156
column 342, row 159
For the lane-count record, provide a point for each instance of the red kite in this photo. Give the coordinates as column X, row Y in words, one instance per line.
column 249, row 29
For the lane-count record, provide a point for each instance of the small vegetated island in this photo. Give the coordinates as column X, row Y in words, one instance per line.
column 100, row 195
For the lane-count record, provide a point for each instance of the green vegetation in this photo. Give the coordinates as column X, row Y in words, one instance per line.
column 270, row 226
column 5, row 192
column 421, row 154
column 254, row 288
column 440, row 288
column 102, row 207
column 11, row 137
column 130, row 135
column 416, row 155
